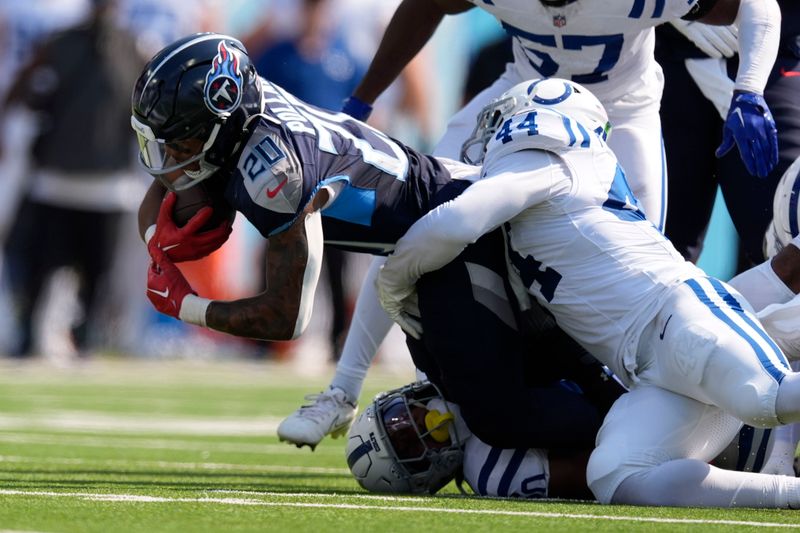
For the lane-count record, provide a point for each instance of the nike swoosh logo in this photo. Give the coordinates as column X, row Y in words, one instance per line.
column 271, row 193
column 163, row 294
column 170, row 247
column 738, row 112
column 789, row 73
column 661, row 335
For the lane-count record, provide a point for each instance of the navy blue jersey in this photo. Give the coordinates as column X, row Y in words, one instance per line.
column 382, row 186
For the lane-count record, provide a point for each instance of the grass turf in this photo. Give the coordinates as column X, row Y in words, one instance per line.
column 129, row 446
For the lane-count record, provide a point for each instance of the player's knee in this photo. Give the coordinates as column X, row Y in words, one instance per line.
column 753, row 407
column 735, row 390
column 604, row 472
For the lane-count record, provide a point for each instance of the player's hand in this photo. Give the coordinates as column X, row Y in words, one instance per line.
column 166, row 286
column 751, row 126
column 187, row 243
column 398, row 302
column 714, row 41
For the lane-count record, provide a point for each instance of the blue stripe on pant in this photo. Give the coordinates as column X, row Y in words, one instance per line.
column 733, row 306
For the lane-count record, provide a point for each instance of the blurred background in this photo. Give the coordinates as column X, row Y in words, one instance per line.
column 73, row 267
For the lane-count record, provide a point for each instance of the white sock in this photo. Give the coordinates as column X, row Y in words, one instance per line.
column 369, row 326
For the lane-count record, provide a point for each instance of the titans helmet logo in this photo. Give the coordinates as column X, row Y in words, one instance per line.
column 223, row 88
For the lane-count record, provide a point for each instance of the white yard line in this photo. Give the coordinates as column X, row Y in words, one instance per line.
column 125, row 423
column 122, row 463
column 157, row 444
column 251, row 502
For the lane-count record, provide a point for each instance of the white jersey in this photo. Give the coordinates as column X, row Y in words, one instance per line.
column 585, row 250
column 606, row 45
column 505, row 473
column 579, row 243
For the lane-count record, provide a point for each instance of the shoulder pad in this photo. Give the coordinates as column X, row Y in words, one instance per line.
column 271, row 171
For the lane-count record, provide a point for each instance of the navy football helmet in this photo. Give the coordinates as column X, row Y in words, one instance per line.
column 202, row 87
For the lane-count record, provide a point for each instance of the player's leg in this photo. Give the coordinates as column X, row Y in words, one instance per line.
column 34, row 250
column 332, row 411
column 704, row 344
column 636, row 141
column 654, row 448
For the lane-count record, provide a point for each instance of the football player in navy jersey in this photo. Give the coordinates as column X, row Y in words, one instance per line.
column 302, row 175
column 608, row 47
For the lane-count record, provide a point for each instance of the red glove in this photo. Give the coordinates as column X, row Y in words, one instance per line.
column 187, row 243
column 166, row 286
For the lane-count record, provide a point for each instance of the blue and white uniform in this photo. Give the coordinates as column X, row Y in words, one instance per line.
column 606, row 46
column 686, row 343
column 506, row 473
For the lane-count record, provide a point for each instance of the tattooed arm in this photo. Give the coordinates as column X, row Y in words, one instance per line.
column 282, row 311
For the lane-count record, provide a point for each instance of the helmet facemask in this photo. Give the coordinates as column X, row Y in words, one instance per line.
column 489, row 119
column 564, row 97
column 411, row 439
column 155, row 157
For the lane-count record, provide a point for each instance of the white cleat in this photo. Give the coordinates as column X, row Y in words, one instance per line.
column 329, row 414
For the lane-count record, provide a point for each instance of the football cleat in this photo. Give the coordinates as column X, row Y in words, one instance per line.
column 329, row 413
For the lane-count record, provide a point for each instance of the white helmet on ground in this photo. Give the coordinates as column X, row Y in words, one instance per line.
column 785, row 223
column 563, row 96
column 405, row 441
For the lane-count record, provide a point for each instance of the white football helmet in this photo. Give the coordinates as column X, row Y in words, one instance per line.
column 402, row 444
column 785, row 223
column 563, row 96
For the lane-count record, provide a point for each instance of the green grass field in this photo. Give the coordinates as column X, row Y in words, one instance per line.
column 186, row 446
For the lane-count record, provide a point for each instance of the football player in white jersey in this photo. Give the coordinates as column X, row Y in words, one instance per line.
column 694, row 356
column 607, row 45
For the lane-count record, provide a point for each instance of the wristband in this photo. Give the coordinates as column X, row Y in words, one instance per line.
column 149, row 232
column 193, row 310
column 356, row 108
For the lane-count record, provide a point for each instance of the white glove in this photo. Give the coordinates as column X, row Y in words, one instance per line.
column 714, row 41
column 398, row 302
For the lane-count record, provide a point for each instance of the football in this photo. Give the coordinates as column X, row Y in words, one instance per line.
column 190, row 201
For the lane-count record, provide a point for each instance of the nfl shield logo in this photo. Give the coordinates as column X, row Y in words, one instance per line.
column 559, row 21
